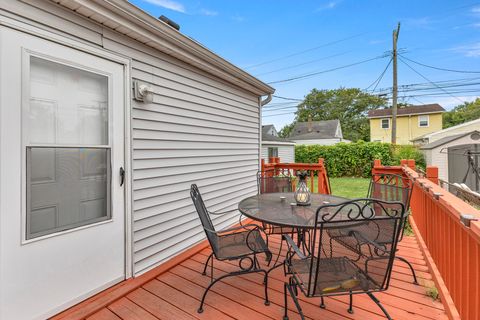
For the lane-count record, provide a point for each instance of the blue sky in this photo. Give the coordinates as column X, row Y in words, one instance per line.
column 279, row 39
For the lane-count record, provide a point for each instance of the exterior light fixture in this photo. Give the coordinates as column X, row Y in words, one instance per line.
column 142, row 92
column 302, row 194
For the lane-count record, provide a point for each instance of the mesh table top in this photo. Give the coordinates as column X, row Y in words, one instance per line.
column 270, row 208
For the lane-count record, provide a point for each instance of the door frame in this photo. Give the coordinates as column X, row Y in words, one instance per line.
column 76, row 44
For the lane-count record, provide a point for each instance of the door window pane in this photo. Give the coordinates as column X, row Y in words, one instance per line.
column 67, row 186
column 72, row 190
column 67, row 105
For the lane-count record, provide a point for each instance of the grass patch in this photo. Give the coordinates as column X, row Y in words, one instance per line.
column 432, row 292
column 350, row 187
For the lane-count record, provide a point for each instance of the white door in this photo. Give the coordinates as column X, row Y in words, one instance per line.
column 62, row 218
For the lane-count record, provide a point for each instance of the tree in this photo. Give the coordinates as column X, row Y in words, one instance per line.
column 462, row 113
column 349, row 105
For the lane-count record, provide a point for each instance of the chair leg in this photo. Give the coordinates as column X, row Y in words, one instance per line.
column 377, row 302
column 265, row 282
column 322, row 303
column 295, row 301
column 200, row 309
column 206, row 264
column 350, row 305
column 285, row 300
column 411, row 268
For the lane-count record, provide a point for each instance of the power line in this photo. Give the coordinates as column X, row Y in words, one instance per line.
column 421, row 75
column 302, row 64
column 308, row 75
column 305, row 51
column 437, row 68
column 287, row 98
column 377, row 81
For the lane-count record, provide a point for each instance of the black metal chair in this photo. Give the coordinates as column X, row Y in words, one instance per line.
column 391, row 187
column 275, row 184
column 332, row 268
column 241, row 243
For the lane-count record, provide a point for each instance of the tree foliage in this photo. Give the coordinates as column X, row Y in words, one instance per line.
column 465, row 112
column 349, row 105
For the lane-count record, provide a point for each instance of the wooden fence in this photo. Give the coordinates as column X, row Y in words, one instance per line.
column 276, row 168
column 448, row 230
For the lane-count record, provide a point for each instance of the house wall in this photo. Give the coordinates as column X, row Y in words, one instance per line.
column 323, row 142
column 468, row 127
column 407, row 128
column 198, row 129
column 439, row 158
column 286, row 153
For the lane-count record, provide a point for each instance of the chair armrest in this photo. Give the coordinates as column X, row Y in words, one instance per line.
column 217, row 213
column 293, row 245
column 245, row 227
column 359, row 235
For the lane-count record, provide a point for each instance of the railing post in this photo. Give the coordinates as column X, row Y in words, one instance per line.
column 262, row 166
column 432, row 174
column 411, row 163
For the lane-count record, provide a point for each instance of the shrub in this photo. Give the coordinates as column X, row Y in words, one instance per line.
column 355, row 159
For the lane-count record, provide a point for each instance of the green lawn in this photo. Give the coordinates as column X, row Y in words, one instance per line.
column 350, row 187
column 347, row 187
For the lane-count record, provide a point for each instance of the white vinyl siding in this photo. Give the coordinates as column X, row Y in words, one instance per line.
column 286, row 153
column 199, row 129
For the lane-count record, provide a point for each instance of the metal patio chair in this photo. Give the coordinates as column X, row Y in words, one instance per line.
column 275, row 184
column 241, row 243
column 333, row 269
column 391, row 187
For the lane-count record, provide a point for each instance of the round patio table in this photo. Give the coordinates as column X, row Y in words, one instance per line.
column 269, row 208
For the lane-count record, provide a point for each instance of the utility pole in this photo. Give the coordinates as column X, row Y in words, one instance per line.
column 395, row 85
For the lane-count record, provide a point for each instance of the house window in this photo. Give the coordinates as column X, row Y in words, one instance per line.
column 423, row 121
column 272, row 152
column 385, row 123
column 67, row 148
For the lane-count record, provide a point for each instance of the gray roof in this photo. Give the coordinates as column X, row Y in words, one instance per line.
column 267, row 128
column 326, row 129
column 445, row 140
column 270, row 138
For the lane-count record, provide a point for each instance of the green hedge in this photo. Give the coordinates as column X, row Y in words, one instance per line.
column 356, row 159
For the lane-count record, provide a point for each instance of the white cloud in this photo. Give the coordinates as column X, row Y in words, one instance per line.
column 329, row 5
column 238, row 18
column 447, row 102
column 471, row 50
column 207, row 12
column 475, row 10
column 168, row 4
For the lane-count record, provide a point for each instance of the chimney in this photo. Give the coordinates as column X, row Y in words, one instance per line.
column 310, row 124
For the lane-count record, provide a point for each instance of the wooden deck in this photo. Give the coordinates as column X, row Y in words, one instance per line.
column 176, row 294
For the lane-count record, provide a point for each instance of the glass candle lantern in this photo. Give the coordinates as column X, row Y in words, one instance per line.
column 302, row 194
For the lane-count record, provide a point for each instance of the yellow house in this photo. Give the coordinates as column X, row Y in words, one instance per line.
column 412, row 122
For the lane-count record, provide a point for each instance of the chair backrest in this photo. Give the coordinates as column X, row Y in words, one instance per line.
column 354, row 246
column 202, row 211
column 272, row 184
column 390, row 187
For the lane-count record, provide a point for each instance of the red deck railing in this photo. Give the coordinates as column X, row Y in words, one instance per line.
column 453, row 242
column 274, row 168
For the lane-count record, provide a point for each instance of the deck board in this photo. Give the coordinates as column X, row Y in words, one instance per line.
column 176, row 294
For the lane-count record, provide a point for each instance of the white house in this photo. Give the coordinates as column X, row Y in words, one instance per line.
column 274, row 146
column 458, row 129
column 449, row 155
column 107, row 115
column 327, row 132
